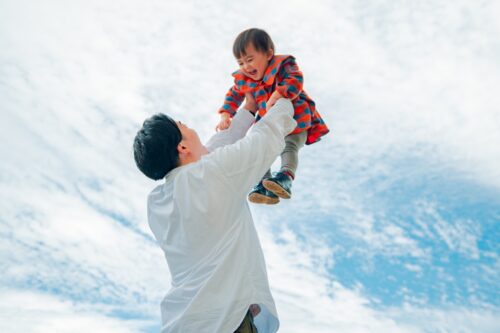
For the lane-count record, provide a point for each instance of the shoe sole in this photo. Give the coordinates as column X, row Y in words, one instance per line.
column 262, row 199
column 276, row 189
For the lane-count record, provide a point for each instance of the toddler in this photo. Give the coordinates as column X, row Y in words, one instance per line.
column 268, row 77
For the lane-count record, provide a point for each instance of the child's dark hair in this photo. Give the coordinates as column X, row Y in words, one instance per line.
column 260, row 40
column 155, row 146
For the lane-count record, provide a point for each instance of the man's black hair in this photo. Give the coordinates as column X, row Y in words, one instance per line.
column 155, row 146
column 260, row 40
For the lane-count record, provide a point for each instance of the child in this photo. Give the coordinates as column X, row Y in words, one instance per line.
column 268, row 77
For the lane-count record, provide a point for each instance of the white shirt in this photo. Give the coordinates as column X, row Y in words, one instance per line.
column 201, row 219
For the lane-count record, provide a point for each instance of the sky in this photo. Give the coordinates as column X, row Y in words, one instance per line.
column 393, row 225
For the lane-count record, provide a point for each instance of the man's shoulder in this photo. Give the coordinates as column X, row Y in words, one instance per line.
column 156, row 192
column 159, row 192
column 186, row 175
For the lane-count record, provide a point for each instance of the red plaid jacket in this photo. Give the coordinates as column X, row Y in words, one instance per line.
column 282, row 74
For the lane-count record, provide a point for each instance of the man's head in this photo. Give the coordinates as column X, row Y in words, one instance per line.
column 253, row 49
column 163, row 144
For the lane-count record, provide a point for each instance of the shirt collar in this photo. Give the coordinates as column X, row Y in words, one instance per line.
column 172, row 173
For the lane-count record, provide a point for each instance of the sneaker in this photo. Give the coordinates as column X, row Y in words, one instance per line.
column 260, row 195
column 280, row 184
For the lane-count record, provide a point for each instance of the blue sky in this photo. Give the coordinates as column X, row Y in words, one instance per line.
column 393, row 225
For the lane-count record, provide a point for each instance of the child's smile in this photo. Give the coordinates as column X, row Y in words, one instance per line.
column 252, row 72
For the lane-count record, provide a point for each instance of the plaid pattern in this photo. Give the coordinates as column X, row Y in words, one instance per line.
column 282, row 74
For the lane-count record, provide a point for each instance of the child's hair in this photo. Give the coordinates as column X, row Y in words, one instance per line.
column 260, row 40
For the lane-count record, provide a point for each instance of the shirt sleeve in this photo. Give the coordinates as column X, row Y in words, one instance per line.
column 240, row 124
column 232, row 101
column 244, row 163
column 291, row 83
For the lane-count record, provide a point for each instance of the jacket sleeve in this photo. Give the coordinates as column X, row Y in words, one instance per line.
column 290, row 85
column 232, row 101
column 242, row 121
column 244, row 163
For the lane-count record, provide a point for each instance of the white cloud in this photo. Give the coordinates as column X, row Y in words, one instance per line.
column 397, row 83
column 459, row 235
column 446, row 320
column 22, row 311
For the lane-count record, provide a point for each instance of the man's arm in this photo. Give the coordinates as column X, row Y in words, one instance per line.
column 242, row 121
column 245, row 162
column 238, row 128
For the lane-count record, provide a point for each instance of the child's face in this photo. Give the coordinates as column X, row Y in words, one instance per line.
column 254, row 63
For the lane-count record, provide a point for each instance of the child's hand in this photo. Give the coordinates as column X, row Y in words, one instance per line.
column 225, row 121
column 272, row 100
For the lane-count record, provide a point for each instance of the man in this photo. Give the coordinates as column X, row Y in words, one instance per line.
column 201, row 219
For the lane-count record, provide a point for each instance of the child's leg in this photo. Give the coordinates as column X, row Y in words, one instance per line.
column 281, row 183
column 260, row 195
column 290, row 155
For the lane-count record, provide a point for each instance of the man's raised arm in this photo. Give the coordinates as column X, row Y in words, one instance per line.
column 240, row 124
column 245, row 162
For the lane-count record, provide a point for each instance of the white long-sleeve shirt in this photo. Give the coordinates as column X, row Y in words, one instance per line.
column 201, row 219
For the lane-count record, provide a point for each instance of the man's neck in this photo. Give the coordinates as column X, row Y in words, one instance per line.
column 193, row 157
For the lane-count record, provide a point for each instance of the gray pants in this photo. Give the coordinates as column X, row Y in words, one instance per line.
column 290, row 155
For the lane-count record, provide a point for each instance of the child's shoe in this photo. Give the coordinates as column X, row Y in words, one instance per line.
column 280, row 184
column 260, row 195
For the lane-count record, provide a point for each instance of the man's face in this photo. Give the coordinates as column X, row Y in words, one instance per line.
column 254, row 63
column 188, row 134
column 190, row 139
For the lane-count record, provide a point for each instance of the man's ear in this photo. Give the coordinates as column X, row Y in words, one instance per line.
column 182, row 149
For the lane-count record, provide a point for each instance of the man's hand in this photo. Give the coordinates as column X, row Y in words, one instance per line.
column 225, row 121
column 272, row 100
column 254, row 310
column 250, row 103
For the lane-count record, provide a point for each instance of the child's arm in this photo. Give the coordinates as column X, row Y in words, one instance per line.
column 290, row 85
column 231, row 103
column 240, row 124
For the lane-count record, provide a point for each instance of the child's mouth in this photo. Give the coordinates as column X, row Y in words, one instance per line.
column 253, row 73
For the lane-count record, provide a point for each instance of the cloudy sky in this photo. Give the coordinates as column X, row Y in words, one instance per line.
column 394, row 222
